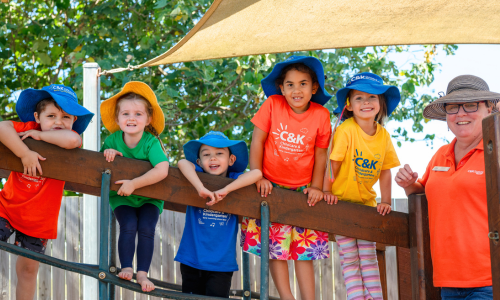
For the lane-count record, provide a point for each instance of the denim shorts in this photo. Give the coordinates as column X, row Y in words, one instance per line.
column 480, row 293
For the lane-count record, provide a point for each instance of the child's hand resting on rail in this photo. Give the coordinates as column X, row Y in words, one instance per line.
column 110, row 154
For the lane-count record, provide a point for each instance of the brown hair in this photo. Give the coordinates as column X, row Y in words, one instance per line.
column 380, row 118
column 149, row 112
column 40, row 106
column 298, row 67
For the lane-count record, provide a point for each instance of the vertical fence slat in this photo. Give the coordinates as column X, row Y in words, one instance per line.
column 340, row 290
column 13, row 273
column 80, row 245
column 4, row 275
column 167, row 255
column 44, row 274
column 180, row 220
column 327, row 282
column 72, row 245
column 58, row 278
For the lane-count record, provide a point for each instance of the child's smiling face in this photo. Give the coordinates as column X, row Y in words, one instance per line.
column 215, row 161
column 298, row 89
column 364, row 105
column 132, row 117
column 53, row 118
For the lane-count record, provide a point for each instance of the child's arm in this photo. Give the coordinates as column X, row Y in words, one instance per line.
column 315, row 191
column 259, row 136
column 9, row 137
column 188, row 169
column 243, row 180
column 64, row 138
column 156, row 174
column 384, row 207
column 327, row 184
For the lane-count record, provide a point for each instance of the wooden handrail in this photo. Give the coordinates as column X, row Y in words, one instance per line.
column 82, row 169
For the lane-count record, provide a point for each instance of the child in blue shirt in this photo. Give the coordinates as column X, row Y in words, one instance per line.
column 207, row 252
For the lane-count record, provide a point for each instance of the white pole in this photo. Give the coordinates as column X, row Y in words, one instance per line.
column 89, row 209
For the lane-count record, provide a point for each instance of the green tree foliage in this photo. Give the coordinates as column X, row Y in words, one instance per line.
column 45, row 42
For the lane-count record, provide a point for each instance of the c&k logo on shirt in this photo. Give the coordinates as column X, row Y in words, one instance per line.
column 290, row 137
column 366, row 169
column 293, row 143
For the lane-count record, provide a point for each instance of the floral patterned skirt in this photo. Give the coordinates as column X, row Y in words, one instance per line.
column 286, row 242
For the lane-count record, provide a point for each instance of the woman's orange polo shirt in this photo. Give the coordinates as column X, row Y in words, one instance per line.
column 458, row 218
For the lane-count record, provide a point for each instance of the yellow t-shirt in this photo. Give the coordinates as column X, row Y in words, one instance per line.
column 363, row 157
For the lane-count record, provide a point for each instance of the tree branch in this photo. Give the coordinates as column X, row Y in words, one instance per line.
column 208, row 106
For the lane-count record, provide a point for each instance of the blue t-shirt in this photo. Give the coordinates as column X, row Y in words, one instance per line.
column 209, row 238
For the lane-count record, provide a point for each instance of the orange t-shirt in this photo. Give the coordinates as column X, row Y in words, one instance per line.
column 31, row 204
column 458, row 218
column 289, row 148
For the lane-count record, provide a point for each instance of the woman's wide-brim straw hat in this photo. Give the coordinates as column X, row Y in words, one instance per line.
column 108, row 106
column 462, row 89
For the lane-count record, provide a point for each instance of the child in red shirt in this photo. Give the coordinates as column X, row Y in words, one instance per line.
column 289, row 145
column 29, row 204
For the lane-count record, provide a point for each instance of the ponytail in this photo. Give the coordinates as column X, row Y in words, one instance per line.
column 153, row 131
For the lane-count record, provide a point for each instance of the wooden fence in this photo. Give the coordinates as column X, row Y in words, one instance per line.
column 58, row 284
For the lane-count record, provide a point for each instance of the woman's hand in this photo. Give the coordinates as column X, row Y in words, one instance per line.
column 314, row 195
column 330, row 198
column 110, row 154
column 127, row 187
column 384, row 208
column 406, row 177
column 264, row 187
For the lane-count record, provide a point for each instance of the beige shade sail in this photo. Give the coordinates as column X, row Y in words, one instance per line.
column 246, row 27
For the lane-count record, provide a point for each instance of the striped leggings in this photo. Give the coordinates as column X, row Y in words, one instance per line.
column 360, row 268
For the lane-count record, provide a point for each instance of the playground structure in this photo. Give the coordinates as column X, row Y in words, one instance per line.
column 87, row 171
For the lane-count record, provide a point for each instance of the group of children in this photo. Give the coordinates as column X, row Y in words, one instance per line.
column 292, row 148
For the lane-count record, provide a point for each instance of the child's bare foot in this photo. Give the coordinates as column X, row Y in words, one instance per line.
column 142, row 279
column 126, row 273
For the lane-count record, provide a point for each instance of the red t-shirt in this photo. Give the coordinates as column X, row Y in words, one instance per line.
column 458, row 218
column 31, row 204
column 289, row 148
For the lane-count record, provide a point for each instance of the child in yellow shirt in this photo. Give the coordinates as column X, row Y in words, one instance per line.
column 362, row 153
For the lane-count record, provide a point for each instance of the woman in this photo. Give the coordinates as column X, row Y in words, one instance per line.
column 455, row 186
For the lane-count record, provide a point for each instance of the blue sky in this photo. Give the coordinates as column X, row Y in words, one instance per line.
column 479, row 60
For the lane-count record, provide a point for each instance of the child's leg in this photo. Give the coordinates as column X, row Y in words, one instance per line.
column 350, row 267
column 148, row 215
column 218, row 284
column 27, row 270
column 279, row 271
column 369, row 268
column 193, row 281
column 127, row 218
column 304, row 270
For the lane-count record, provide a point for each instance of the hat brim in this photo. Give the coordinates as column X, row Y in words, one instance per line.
column 436, row 111
column 321, row 96
column 108, row 106
column 390, row 92
column 29, row 98
column 238, row 148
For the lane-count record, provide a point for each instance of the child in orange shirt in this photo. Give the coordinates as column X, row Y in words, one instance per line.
column 29, row 204
column 289, row 145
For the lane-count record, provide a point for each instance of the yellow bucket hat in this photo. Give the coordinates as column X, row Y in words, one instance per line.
column 108, row 106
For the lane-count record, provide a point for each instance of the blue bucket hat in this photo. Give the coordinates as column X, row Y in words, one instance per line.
column 218, row 140
column 372, row 84
column 269, row 83
column 64, row 96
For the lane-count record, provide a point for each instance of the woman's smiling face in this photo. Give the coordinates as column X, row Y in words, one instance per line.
column 466, row 125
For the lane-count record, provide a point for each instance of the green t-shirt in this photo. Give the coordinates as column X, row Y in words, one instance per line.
column 148, row 149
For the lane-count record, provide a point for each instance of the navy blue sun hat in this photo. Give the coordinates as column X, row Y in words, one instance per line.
column 64, row 96
column 218, row 140
column 269, row 83
column 372, row 84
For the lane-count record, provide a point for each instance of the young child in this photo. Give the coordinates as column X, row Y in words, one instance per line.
column 135, row 119
column 29, row 204
column 289, row 145
column 207, row 252
column 362, row 152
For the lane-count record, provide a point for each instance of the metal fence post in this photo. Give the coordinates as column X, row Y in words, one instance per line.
column 246, row 276
column 104, row 250
column 90, row 210
column 264, row 254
